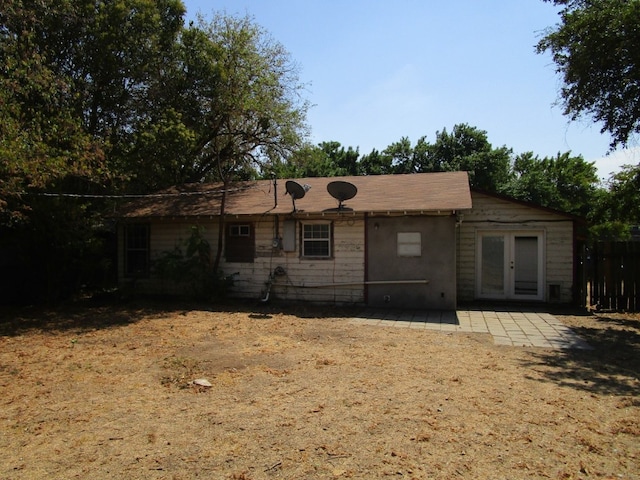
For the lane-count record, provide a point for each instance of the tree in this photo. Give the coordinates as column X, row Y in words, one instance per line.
column 118, row 96
column 327, row 159
column 619, row 208
column 376, row 163
column 41, row 138
column 625, row 194
column 307, row 161
column 250, row 113
column 530, row 181
column 564, row 182
column 596, row 50
column 467, row 148
column 74, row 83
column 340, row 162
column 406, row 158
column 168, row 141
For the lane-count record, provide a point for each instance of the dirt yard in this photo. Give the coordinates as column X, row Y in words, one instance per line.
column 106, row 392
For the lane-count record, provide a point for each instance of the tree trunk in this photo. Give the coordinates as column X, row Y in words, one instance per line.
column 223, row 201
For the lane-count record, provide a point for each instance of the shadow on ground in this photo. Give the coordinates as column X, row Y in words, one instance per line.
column 612, row 367
column 90, row 314
column 69, row 317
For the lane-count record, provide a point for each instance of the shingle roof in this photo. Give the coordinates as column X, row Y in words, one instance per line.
column 419, row 192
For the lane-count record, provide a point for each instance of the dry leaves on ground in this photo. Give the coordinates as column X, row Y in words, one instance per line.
column 108, row 392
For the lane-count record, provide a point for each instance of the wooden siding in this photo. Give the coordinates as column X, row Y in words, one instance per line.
column 164, row 237
column 302, row 275
column 491, row 213
column 250, row 278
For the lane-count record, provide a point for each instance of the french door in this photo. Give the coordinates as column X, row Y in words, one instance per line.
column 510, row 265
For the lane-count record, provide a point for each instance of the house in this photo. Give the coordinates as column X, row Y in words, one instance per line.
column 516, row 251
column 419, row 241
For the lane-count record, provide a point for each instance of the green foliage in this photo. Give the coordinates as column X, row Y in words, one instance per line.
column 189, row 267
column 625, row 194
column 564, row 182
column 619, row 208
column 403, row 157
column 376, row 163
column 198, row 126
column 467, row 148
column 327, row 159
column 255, row 112
column 73, row 84
column 77, row 73
column 42, row 141
column 119, row 96
column 595, row 49
column 610, row 230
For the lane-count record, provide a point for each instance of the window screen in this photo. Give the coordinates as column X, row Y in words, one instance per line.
column 316, row 240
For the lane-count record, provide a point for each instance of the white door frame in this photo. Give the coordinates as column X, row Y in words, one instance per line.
column 509, row 267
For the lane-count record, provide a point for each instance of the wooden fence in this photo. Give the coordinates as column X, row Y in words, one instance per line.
column 613, row 276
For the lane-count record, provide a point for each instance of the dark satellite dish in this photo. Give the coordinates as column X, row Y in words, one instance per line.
column 342, row 191
column 296, row 191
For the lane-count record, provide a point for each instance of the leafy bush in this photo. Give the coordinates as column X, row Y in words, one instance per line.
column 189, row 267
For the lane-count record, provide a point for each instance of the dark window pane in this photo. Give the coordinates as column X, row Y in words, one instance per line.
column 240, row 244
column 137, row 250
column 316, row 248
column 316, row 231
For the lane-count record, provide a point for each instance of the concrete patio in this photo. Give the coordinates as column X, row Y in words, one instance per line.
column 512, row 328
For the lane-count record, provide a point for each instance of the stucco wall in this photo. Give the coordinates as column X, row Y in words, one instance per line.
column 435, row 263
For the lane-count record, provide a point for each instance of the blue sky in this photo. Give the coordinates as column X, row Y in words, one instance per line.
column 382, row 70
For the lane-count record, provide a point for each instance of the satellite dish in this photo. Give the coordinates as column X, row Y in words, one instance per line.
column 342, row 191
column 296, row 191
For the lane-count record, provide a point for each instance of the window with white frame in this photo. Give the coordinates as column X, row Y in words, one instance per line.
column 409, row 244
column 239, row 230
column 316, row 240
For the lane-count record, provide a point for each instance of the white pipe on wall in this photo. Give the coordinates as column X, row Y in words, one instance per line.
column 372, row 282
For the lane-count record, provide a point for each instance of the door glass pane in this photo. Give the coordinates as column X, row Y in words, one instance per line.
column 526, row 266
column 492, row 281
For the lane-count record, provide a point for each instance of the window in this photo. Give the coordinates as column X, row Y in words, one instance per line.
column 239, row 243
column 316, row 240
column 409, row 244
column 136, row 245
column 240, row 230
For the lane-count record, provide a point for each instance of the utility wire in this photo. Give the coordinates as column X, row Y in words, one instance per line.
column 139, row 195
